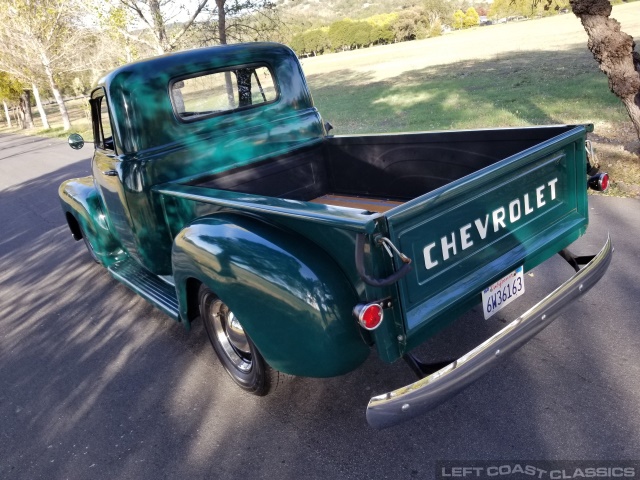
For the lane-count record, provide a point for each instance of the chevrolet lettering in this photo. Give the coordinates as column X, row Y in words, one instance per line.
column 219, row 195
column 500, row 218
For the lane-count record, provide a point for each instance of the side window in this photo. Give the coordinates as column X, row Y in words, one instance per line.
column 101, row 122
column 219, row 92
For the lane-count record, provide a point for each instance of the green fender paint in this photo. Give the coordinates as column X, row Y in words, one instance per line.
column 291, row 297
column 80, row 199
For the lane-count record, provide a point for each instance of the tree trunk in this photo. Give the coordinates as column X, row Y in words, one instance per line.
column 56, row 93
column 6, row 113
column 25, row 108
column 633, row 109
column 159, row 27
column 222, row 22
column 128, row 52
column 222, row 33
column 613, row 50
column 16, row 116
column 43, row 115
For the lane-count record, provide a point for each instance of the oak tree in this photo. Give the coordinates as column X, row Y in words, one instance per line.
column 10, row 91
column 614, row 51
column 471, row 18
column 40, row 38
column 166, row 21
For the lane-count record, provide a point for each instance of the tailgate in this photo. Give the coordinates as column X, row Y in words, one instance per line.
column 470, row 233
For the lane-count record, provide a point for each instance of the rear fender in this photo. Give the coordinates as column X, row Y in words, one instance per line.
column 290, row 296
column 82, row 206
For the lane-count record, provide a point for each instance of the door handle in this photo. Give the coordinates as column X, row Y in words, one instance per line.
column 110, row 173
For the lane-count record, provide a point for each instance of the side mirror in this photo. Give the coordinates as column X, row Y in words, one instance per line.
column 76, row 141
column 328, row 127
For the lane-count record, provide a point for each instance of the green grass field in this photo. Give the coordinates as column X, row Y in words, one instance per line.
column 78, row 110
column 521, row 73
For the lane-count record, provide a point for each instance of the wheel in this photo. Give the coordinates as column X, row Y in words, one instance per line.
column 237, row 353
column 87, row 244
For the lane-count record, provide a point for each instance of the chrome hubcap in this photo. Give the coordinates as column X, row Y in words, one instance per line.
column 236, row 335
column 231, row 336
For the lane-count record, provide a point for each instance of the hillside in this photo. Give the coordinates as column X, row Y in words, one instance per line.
column 553, row 34
column 327, row 11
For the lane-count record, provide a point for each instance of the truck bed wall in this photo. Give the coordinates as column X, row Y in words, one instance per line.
column 399, row 167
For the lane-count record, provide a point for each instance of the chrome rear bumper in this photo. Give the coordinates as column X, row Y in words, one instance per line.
column 419, row 397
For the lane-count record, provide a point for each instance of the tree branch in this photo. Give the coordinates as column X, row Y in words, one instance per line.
column 133, row 6
column 187, row 25
column 135, row 38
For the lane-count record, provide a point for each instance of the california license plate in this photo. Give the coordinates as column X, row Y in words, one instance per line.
column 503, row 292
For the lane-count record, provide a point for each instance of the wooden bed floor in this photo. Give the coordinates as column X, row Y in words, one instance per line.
column 362, row 203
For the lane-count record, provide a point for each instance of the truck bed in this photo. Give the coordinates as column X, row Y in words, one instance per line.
column 467, row 207
column 375, row 173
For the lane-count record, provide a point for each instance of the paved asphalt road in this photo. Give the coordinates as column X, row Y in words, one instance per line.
column 95, row 383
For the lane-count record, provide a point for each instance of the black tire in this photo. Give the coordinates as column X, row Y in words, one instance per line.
column 237, row 353
column 87, row 244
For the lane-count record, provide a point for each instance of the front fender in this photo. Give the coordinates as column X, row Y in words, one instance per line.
column 80, row 199
column 290, row 296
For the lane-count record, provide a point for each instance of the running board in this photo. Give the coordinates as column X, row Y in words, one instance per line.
column 147, row 285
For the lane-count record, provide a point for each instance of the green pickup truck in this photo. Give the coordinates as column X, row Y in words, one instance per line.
column 218, row 193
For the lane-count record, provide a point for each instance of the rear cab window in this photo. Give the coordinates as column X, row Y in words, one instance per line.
column 214, row 93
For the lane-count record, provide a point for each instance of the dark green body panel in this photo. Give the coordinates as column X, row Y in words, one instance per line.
column 81, row 200
column 292, row 299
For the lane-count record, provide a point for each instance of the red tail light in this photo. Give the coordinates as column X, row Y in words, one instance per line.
column 369, row 315
column 599, row 182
